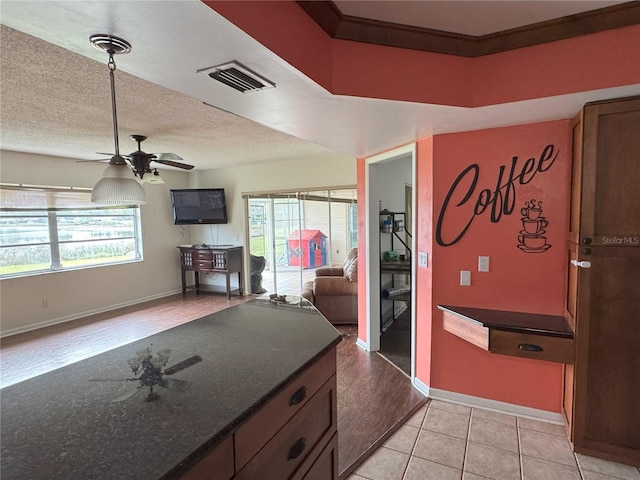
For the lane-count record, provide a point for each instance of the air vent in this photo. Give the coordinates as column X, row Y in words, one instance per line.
column 236, row 75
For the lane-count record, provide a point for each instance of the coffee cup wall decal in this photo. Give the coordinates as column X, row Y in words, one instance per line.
column 531, row 238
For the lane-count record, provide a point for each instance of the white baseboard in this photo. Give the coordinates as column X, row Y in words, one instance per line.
column 494, row 405
column 76, row 316
column 363, row 345
column 421, row 386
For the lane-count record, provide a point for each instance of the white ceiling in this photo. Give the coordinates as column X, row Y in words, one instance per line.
column 55, row 88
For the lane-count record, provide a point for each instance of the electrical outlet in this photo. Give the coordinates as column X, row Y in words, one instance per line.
column 45, row 302
column 465, row 278
column 483, row 264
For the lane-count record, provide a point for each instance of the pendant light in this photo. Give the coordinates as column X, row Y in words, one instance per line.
column 118, row 186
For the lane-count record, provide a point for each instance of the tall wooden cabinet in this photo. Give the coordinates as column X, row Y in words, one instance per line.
column 602, row 387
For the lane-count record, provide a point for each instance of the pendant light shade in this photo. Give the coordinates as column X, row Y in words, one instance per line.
column 118, row 187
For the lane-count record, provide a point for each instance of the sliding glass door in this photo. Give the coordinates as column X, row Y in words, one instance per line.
column 291, row 234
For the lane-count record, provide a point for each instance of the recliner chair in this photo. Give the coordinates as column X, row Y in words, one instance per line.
column 334, row 291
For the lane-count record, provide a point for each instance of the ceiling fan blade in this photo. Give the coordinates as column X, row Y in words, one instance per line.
column 175, row 384
column 184, row 166
column 94, row 160
column 126, row 395
column 168, row 156
column 183, row 364
column 113, row 379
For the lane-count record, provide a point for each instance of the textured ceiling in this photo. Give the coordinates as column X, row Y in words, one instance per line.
column 57, row 102
column 54, row 89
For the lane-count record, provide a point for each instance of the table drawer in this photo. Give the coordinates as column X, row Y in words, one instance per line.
column 203, row 264
column 265, row 423
column 217, row 465
column 283, row 455
column 538, row 347
column 202, row 255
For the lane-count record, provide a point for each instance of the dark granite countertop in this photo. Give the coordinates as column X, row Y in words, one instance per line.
column 552, row 325
column 61, row 425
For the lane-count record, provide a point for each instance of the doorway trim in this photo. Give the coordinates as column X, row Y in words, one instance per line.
column 372, row 242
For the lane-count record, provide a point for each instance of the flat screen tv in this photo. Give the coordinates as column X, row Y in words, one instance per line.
column 198, row 206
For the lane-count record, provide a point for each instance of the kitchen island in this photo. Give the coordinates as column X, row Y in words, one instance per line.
column 260, row 398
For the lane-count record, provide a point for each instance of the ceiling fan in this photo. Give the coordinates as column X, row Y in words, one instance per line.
column 140, row 161
column 149, row 371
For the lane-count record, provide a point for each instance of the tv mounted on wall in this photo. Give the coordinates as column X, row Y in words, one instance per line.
column 198, row 206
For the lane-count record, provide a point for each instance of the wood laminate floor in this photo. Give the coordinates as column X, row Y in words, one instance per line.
column 374, row 397
column 395, row 342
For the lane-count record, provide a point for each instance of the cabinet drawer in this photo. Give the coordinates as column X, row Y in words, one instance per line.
column 538, row 347
column 199, row 255
column 217, row 465
column 203, row 264
column 283, row 455
column 325, row 466
column 265, row 423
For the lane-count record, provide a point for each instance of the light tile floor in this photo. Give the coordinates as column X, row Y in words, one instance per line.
column 446, row 441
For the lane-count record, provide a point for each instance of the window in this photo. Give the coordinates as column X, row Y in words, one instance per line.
column 35, row 241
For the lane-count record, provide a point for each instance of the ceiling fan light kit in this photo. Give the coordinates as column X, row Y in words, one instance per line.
column 117, row 186
column 154, row 179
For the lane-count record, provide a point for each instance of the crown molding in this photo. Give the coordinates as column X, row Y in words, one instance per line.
column 346, row 27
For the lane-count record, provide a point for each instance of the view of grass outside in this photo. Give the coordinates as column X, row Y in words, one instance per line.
column 82, row 239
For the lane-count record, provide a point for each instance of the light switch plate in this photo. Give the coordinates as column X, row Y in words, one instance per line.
column 423, row 259
column 465, row 278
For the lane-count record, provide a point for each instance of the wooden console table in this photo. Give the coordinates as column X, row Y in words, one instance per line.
column 225, row 259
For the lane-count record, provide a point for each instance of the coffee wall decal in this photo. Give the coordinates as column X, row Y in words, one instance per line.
column 498, row 201
column 532, row 237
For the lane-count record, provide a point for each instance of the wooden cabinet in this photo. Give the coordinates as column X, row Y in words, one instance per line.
column 602, row 388
column 226, row 260
column 292, row 437
column 218, row 465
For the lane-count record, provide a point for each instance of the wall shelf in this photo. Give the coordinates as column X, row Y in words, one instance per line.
column 519, row 334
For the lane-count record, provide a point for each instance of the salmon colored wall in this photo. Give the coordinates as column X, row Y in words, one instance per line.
column 424, row 243
column 589, row 62
column 517, row 281
column 362, row 246
column 400, row 74
column 285, row 29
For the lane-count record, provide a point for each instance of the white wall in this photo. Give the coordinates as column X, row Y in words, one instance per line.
column 391, row 177
column 311, row 174
column 74, row 294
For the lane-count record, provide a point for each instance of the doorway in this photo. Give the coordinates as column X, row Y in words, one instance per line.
column 291, row 234
column 390, row 207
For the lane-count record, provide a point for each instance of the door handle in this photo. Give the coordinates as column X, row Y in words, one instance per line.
column 583, row 264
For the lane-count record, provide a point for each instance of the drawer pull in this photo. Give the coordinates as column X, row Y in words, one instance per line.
column 297, row 449
column 530, row 347
column 298, row 396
